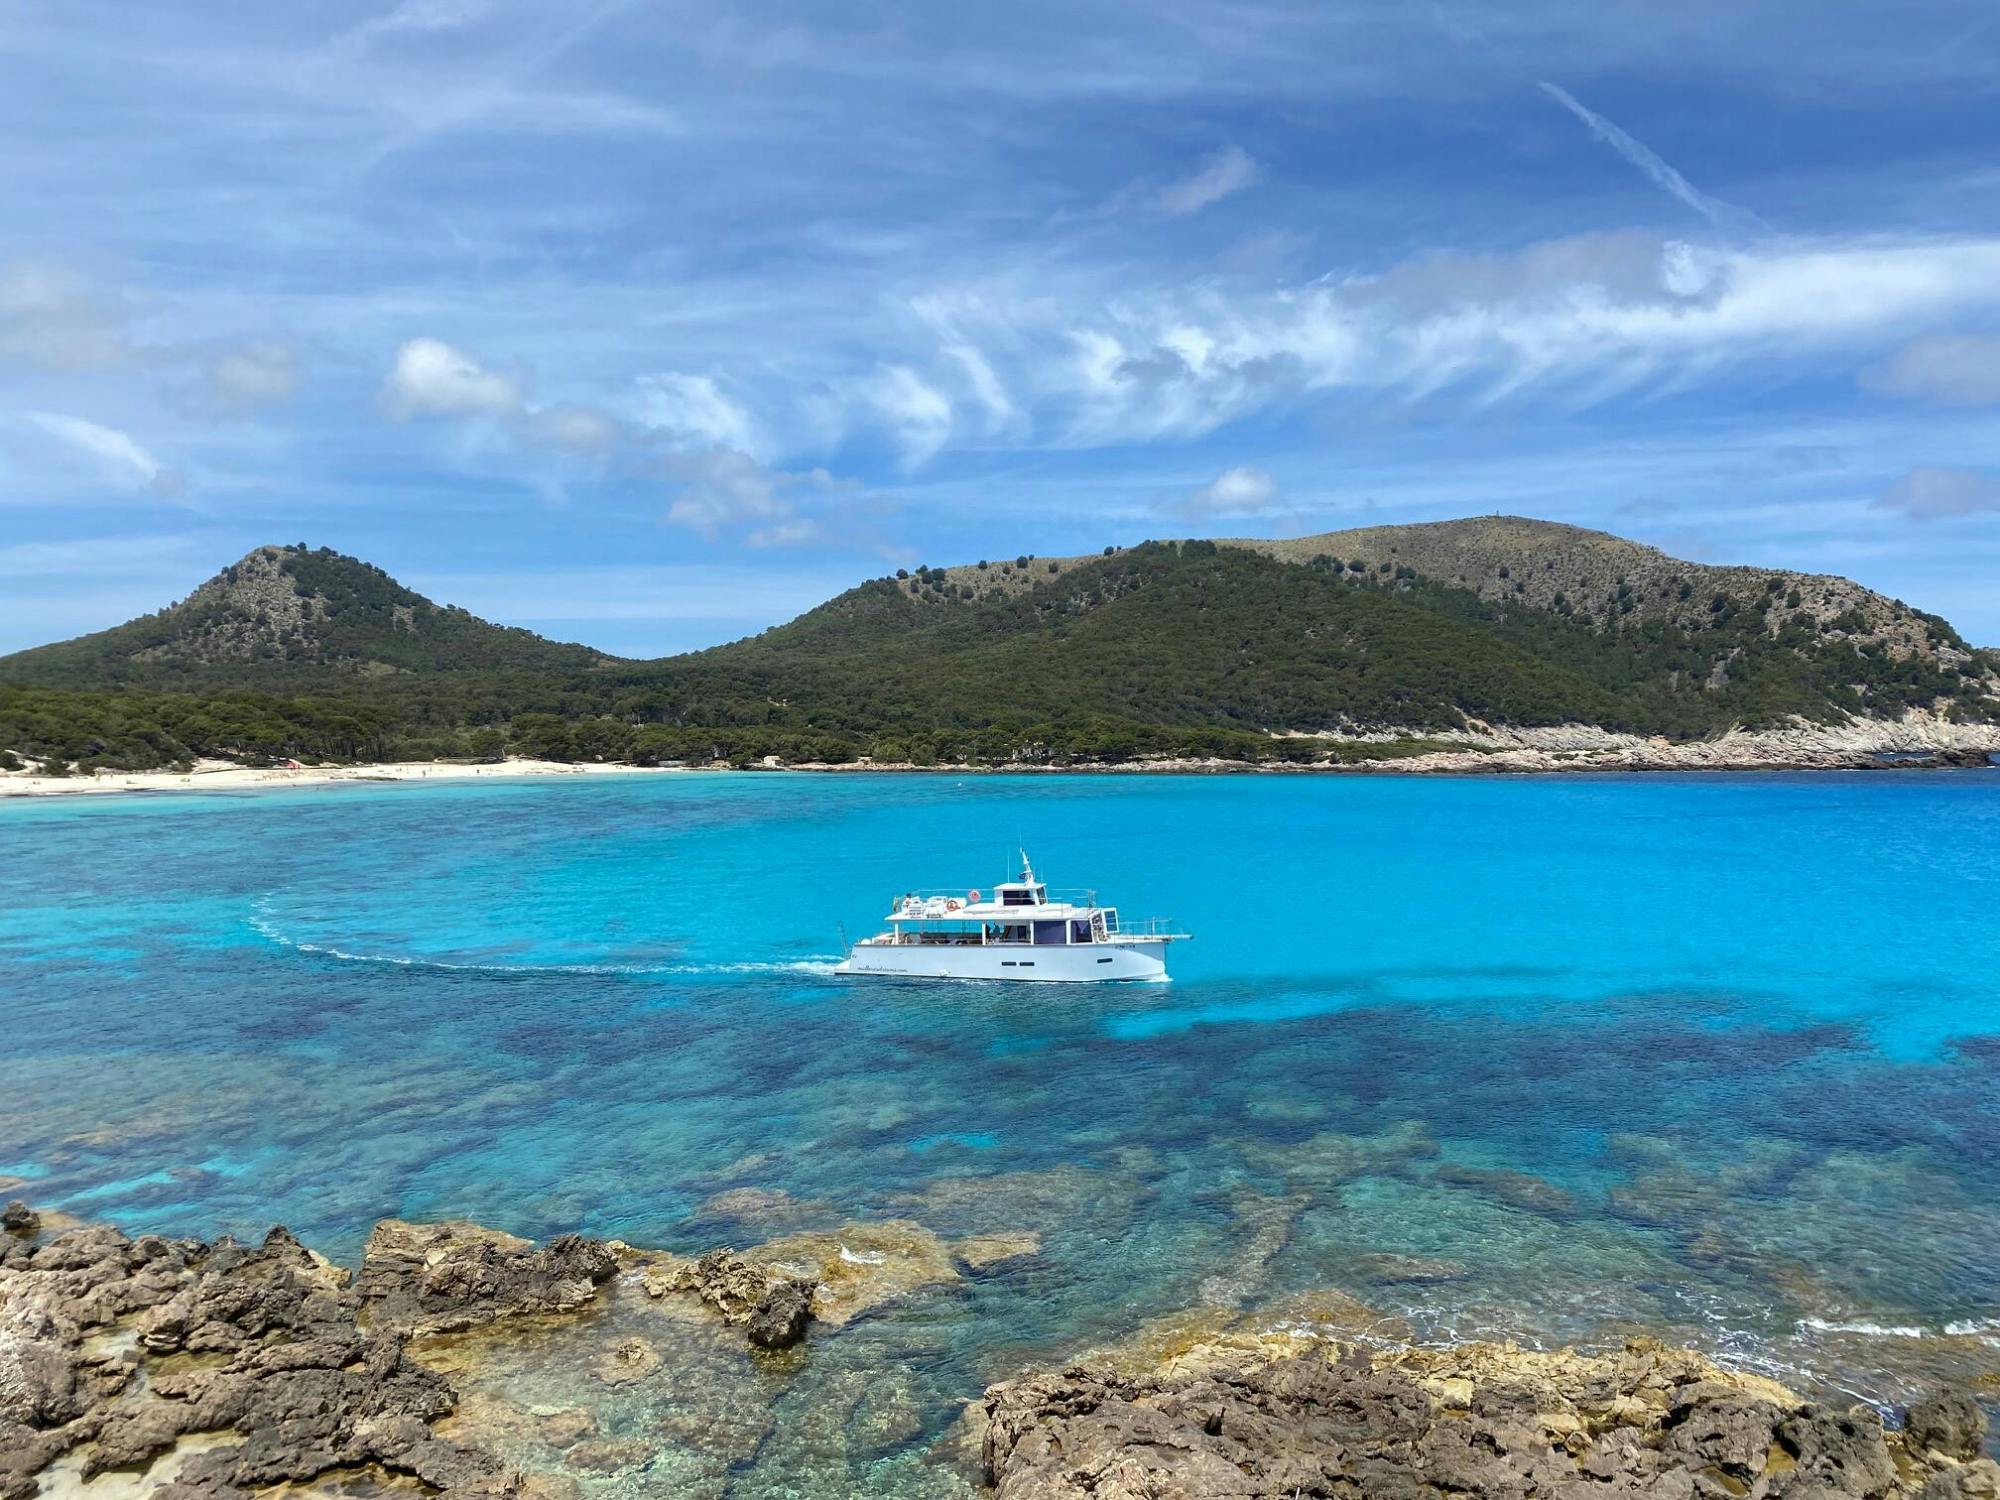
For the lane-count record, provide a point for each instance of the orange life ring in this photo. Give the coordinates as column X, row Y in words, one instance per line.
column 973, row 897
column 953, row 904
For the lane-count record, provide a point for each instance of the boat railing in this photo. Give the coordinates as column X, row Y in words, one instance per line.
column 1148, row 927
column 1075, row 895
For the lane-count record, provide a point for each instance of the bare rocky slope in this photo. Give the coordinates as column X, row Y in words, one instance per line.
column 1602, row 577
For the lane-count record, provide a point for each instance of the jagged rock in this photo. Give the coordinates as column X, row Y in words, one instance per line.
column 721, row 1278
column 1947, row 1423
column 1476, row 1421
column 20, row 1220
column 240, row 1295
column 779, row 1321
column 40, row 1382
column 442, row 1278
column 284, row 1366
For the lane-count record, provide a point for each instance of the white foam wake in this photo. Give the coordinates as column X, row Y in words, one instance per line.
column 260, row 923
column 1868, row 1330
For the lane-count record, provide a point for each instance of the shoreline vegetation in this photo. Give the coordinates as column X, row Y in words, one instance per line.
column 1495, row 643
column 1916, row 742
column 215, row 1370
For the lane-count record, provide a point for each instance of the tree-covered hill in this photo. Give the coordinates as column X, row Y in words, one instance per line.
column 1203, row 647
column 1195, row 633
column 295, row 619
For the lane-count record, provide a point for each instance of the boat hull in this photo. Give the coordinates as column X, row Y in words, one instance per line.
column 1079, row 963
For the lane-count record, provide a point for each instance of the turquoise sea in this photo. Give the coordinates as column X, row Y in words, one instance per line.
column 1714, row 1055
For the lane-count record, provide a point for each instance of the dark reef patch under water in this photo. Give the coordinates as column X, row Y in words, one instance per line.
column 1549, row 1058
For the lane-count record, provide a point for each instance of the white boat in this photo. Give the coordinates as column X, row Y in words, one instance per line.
column 1018, row 932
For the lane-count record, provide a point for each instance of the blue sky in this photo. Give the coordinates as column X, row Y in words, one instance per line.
column 651, row 325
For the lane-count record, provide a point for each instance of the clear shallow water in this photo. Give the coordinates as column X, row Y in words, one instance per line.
column 1739, row 1034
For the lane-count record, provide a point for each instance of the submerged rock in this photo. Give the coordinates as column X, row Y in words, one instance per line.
column 857, row 1267
column 977, row 1251
column 1475, row 1420
column 1408, row 1270
column 1520, row 1190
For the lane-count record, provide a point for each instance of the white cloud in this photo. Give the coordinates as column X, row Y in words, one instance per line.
column 253, row 376
column 694, row 407
column 1580, row 320
column 575, row 429
column 432, row 379
column 1951, row 370
column 1723, row 215
column 50, row 318
column 917, row 412
column 1228, row 171
column 1242, row 491
column 413, row 16
column 724, row 488
column 986, row 386
column 1928, row 493
column 117, row 455
column 793, row 533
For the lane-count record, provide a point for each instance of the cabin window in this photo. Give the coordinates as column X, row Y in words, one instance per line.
column 1111, row 921
column 1016, row 898
column 1079, row 930
column 1049, row 932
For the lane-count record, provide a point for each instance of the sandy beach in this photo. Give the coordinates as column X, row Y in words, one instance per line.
column 1916, row 741
column 226, row 776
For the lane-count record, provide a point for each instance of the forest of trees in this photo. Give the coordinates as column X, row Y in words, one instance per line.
column 1166, row 648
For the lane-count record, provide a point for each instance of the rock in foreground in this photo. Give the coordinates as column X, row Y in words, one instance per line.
column 1472, row 1421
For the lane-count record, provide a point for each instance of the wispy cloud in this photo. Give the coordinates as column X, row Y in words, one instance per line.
column 118, row 455
column 413, row 17
column 257, row 375
column 52, row 319
column 1930, row 493
column 1724, row 216
column 1227, row 172
column 1949, row 369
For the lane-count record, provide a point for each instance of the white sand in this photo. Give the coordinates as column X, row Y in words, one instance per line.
column 220, row 775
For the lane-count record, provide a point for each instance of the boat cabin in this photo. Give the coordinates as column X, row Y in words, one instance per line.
column 1018, row 912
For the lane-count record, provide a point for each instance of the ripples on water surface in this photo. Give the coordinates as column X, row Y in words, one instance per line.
column 1712, row 1054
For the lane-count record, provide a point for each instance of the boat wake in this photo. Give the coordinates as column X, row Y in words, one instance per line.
column 264, row 927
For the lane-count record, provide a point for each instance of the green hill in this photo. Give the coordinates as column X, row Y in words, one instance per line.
column 1231, row 648
column 293, row 619
column 1231, row 636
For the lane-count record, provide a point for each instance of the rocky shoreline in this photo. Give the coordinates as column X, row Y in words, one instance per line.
column 215, row 1370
